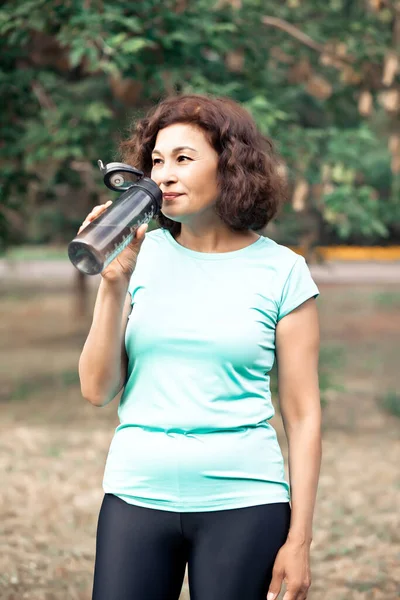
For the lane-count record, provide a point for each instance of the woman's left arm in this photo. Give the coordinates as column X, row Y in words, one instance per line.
column 297, row 349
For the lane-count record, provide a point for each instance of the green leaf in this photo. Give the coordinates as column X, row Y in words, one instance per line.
column 76, row 55
column 136, row 45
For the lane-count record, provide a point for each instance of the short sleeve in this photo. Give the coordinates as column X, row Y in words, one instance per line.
column 299, row 287
column 135, row 285
column 132, row 284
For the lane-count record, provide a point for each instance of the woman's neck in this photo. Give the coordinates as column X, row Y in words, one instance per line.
column 214, row 243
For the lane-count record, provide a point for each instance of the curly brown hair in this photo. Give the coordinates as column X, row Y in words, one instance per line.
column 251, row 186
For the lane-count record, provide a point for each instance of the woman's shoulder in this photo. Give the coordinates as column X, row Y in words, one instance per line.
column 153, row 239
column 154, row 234
column 280, row 254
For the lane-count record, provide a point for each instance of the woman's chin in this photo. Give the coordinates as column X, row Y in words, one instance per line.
column 169, row 214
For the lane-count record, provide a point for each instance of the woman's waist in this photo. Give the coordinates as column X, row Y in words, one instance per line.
column 194, row 428
column 190, row 466
column 194, row 417
column 241, row 448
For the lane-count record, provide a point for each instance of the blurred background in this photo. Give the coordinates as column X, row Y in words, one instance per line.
column 322, row 79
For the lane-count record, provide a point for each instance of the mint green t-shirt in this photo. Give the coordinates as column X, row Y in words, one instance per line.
column 194, row 432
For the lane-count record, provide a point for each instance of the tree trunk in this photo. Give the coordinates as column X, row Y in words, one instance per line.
column 81, row 295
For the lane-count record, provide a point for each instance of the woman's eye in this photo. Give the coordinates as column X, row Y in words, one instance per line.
column 157, row 161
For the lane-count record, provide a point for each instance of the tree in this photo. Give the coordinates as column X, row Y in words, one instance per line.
column 320, row 78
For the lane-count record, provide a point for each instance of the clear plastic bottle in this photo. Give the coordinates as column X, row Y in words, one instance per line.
column 105, row 237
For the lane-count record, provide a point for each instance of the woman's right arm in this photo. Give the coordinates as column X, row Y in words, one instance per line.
column 103, row 361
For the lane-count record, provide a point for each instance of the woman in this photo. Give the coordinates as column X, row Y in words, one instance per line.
column 188, row 320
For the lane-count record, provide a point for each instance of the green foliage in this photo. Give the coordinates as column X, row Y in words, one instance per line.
column 331, row 361
column 387, row 300
column 390, row 402
column 24, row 389
column 353, row 209
column 73, row 75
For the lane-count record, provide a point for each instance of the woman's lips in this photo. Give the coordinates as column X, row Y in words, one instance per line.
column 170, row 197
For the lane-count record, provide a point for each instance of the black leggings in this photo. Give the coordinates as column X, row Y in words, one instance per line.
column 141, row 553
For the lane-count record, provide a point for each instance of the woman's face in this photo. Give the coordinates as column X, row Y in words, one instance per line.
column 185, row 166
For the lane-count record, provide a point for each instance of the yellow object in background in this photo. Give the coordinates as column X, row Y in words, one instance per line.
column 354, row 253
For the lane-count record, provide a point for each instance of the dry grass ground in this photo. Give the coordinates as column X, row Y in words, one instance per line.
column 53, row 447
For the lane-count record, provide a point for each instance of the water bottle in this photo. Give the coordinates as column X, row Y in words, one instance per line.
column 105, row 237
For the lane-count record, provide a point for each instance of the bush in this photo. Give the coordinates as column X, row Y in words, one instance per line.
column 390, row 402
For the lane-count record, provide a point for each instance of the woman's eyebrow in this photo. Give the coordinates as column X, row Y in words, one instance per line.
column 175, row 150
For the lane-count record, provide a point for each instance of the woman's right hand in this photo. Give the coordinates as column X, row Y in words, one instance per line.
column 123, row 265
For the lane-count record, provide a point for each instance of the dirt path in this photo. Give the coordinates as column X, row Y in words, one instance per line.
column 330, row 272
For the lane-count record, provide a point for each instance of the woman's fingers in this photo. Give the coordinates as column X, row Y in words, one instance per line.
column 141, row 231
column 95, row 212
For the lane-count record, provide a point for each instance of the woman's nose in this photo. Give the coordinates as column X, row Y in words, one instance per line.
column 169, row 175
column 165, row 176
